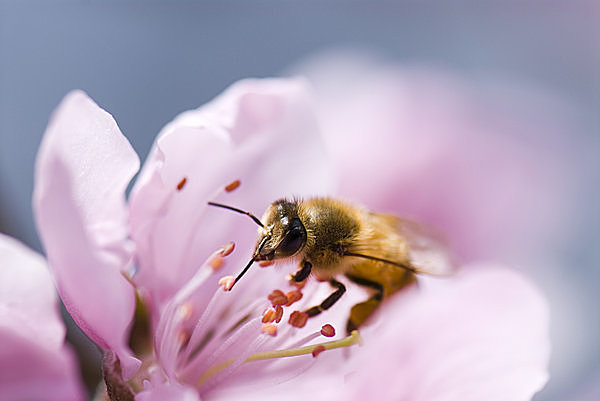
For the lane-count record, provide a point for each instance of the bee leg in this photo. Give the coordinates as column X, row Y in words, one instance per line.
column 329, row 301
column 361, row 311
column 303, row 273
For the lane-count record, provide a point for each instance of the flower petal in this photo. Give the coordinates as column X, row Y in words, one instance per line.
column 482, row 335
column 33, row 372
column 34, row 362
column 167, row 391
column 262, row 132
column 28, row 303
column 83, row 167
column 474, row 160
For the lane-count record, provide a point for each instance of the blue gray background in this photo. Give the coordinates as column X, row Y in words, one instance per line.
column 146, row 61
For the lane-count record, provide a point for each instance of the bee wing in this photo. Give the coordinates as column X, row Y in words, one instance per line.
column 429, row 252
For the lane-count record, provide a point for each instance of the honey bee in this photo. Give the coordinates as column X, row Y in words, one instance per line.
column 329, row 238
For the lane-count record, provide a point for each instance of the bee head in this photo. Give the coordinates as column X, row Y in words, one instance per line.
column 283, row 234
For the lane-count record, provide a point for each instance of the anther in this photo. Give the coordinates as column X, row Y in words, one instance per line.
column 269, row 315
column 183, row 338
column 298, row 284
column 266, row 263
column 184, row 311
column 277, row 297
column 181, row 183
column 227, row 282
column 318, row 349
column 328, row 330
column 227, row 248
column 278, row 313
column 298, row 319
column 293, row 296
column 216, row 263
column 269, row 329
column 233, row 186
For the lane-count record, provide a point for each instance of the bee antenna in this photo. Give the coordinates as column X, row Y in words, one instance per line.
column 239, row 276
column 235, row 209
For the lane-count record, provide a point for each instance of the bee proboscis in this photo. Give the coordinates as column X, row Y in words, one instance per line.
column 330, row 237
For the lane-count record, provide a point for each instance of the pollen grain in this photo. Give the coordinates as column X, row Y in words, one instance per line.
column 181, row 183
column 318, row 349
column 233, row 186
column 328, row 330
column 277, row 297
column 298, row 319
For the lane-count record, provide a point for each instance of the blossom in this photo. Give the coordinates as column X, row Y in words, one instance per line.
column 169, row 249
column 35, row 363
column 484, row 162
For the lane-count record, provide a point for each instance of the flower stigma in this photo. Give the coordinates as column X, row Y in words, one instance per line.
column 353, row 339
column 328, row 330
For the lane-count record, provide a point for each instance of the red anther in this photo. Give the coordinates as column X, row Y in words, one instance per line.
column 277, row 297
column 269, row 329
column 328, row 330
column 216, row 263
column 298, row 319
column 318, row 349
column 266, row 263
column 227, row 282
column 181, row 183
column 232, row 186
column 227, row 248
column 269, row 315
column 278, row 313
column 298, row 284
column 183, row 338
column 293, row 296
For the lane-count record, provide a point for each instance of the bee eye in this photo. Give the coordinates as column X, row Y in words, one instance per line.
column 293, row 240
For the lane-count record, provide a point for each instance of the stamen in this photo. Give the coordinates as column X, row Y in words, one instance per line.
column 183, row 338
column 181, row 183
column 216, row 263
column 328, row 330
column 298, row 284
column 266, row 263
column 293, row 296
column 269, row 316
column 227, row 282
column 269, row 329
column 277, row 297
column 352, row 339
column 233, row 186
column 227, row 248
column 318, row 349
column 278, row 313
column 184, row 311
column 298, row 319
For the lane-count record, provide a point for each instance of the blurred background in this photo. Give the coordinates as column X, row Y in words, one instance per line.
column 146, row 61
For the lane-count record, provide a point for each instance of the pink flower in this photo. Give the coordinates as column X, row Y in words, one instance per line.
column 34, row 362
column 171, row 249
column 482, row 162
